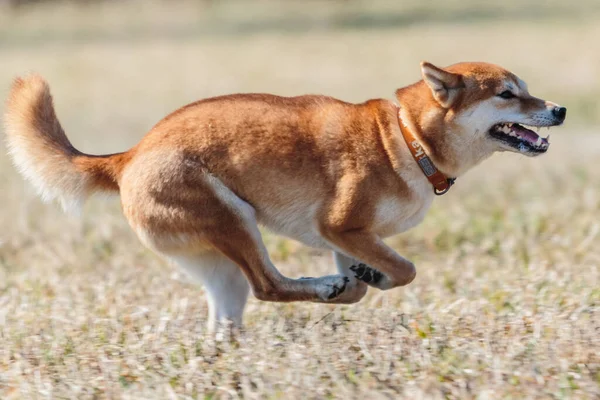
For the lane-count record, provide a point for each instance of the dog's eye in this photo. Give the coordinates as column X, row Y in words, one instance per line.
column 507, row 94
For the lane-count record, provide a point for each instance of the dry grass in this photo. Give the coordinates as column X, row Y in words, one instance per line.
column 505, row 304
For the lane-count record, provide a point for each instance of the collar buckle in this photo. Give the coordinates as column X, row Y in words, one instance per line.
column 449, row 183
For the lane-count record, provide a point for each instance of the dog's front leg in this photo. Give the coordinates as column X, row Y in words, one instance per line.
column 381, row 266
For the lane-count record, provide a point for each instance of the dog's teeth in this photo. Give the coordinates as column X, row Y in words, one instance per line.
column 548, row 138
column 538, row 141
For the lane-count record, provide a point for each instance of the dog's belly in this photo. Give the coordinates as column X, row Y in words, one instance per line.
column 297, row 222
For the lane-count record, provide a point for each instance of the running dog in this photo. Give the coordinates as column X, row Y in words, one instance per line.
column 327, row 173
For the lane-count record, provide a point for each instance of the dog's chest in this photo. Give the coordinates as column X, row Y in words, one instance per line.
column 393, row 216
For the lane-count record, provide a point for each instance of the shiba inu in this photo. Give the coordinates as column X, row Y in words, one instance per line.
column 327, row 173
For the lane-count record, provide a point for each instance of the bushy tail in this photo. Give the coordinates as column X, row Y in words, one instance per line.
column 42, row 153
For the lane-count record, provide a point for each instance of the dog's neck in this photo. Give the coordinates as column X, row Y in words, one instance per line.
column 452, row 153
column 440, row 182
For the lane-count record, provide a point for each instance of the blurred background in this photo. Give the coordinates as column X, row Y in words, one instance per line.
column 145, row 58
column 506, row 299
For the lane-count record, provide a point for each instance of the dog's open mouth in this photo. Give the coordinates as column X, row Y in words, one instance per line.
column 520, row 138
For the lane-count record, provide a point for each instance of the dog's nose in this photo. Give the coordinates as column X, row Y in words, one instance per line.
column 560, row 112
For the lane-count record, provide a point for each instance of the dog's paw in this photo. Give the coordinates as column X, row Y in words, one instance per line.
column 354, row 291
column 337, row 289
column 367, row 274
column 330, row 287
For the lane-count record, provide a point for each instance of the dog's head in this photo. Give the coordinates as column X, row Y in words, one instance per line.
column 479, row 107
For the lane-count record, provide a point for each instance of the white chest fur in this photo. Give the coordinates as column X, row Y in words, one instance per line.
column 396, row 215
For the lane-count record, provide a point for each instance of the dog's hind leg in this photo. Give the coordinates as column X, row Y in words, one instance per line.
column 356, row 289
column 244, row 245
column 228, row 224
column 194, row 212
column 225, row 285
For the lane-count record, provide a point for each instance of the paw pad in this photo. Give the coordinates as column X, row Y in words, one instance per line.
column 366, row 273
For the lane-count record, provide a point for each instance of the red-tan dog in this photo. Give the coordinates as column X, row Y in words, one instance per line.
column 330, row 174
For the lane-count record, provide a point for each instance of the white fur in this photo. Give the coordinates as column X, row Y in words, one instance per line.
column 226, row 286
column 38, row 146
column 48, row 170
column 476, row 121
column 296, row 220
column 395, row 216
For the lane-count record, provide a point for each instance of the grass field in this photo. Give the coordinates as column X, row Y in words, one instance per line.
column 507, row 296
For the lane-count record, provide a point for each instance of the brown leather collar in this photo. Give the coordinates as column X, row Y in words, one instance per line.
column 441, row 184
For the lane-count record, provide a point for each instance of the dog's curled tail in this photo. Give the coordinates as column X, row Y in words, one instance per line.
column 42, row 153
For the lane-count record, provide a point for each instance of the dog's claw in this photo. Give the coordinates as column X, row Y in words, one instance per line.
column 366, row 273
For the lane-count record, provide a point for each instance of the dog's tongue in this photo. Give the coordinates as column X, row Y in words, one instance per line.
column 527, row 134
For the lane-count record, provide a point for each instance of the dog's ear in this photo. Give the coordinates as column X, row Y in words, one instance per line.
column 445, row 86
